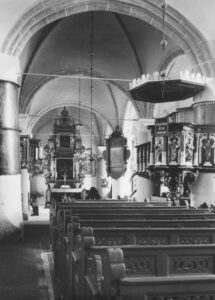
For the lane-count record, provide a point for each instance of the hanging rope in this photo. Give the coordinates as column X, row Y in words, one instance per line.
column 79, row 103
column 163, row 44
column 91, row 79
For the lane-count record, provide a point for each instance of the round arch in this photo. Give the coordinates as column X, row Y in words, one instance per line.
column 76, row 72
column 178, row 28
column 47, row 109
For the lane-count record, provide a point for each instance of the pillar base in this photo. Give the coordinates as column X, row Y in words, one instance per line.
column 11, row 220
column 203, row 190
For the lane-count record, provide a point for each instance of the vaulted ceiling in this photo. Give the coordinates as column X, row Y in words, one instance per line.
column 124, row 48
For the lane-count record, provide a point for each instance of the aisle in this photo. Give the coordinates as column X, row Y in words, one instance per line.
column 25, row 266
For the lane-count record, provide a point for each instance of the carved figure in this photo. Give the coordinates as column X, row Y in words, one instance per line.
column 158, row 150
column 189, row 149
column 174, row 146
column 208, row 150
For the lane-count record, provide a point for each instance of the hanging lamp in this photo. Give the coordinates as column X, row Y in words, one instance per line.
column 158, row 88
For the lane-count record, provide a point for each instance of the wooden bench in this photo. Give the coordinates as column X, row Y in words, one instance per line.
column 168, row 288
column 132, row 222
column 66, row 211
column 150, row 236
column 144, row 272
column 85, row 207
column 100, row 205
column 66, row 264
column 93, row 214
column 59, row 230
column 60, row 248
column 76, row 257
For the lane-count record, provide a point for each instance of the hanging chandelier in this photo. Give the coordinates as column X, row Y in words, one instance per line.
column 158, row 88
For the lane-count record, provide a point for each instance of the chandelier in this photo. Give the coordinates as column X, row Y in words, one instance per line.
column 157, row 87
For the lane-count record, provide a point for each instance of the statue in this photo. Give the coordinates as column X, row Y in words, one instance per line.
column 158, row 150
column 174, row 145
column 208, row 150
column 189, row 149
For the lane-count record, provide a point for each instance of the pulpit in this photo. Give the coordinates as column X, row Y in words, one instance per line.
column 170, row 158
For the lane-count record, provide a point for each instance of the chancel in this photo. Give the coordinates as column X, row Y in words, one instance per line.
column 107, row 150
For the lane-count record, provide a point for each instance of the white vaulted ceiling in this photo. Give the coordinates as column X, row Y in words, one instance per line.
column 124, row 48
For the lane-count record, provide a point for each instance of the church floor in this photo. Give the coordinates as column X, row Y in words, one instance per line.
column 26, row 267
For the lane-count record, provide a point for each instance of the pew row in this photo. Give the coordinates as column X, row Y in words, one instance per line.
column 150, row 272
column 128, row 219
column 78, row 249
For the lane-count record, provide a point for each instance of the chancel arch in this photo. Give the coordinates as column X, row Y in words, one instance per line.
column 42, row 14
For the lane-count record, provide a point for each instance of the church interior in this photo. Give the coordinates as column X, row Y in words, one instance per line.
column 107, row 150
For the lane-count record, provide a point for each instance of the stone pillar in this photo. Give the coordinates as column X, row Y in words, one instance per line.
column 102, row 174
column 115, row 188
column 25, row 181
column 11, row 219
column 203, row 190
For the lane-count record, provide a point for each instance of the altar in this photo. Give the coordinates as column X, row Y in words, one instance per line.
column 65, row 194
column 64, row 152
column 66, row 190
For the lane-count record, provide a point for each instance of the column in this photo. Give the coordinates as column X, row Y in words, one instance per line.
column 11, row 219
column 25, row 185
column 102, row 174
column 115, row 188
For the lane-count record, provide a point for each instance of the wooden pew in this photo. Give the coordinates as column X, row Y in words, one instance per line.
column 98, row 217
column 168, row 288
column 61, row 248
column 62, row 252
column 130, row 208
column 123, row 208
column 58, row 232
column 82, row 250
column 65, row 211
column 150, row 272
column 110, row 206
column 132, row 222
column 99, row 205
column 150, row 236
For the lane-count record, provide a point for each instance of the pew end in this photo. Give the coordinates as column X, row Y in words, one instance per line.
column 194, row 287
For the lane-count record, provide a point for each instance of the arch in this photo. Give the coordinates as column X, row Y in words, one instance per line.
column 169, row 57
column 178, row 27
column 47, row 109
column 75, row 72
